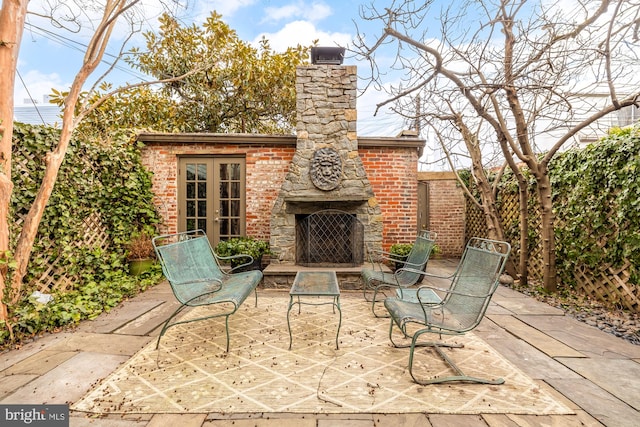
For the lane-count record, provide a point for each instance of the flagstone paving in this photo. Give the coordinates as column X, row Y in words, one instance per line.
column 592, row 372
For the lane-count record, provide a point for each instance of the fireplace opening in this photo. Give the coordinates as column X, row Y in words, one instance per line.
column 329, row 238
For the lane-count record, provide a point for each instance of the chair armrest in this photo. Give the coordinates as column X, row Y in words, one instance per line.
column 234, row 257
column 231, row 257
column 377, row 258
column 426, row 273
column 380, row 255
column 449, row 291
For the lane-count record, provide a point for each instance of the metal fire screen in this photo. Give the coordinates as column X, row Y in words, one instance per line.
column 329, row 238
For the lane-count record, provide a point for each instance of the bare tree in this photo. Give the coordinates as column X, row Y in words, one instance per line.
column 76, row 107
column 506, row 74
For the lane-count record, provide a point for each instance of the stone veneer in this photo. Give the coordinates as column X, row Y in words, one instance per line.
column 326, row 123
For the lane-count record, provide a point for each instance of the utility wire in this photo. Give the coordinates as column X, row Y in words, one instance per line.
column 80, row 47
column 30, row 97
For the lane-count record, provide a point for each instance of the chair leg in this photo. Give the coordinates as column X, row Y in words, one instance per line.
column 168, row 324
column 374, row 301
column 404, row 332
column 459, row 377
column 226, row 328
column 367, row 287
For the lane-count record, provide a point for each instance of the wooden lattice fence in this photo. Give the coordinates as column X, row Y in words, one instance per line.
column 607, row 284
column 54, row 277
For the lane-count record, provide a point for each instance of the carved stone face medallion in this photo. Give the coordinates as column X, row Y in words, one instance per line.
column 326, row 169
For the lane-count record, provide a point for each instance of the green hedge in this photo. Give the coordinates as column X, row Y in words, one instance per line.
column 107, row 177
column 597, row 204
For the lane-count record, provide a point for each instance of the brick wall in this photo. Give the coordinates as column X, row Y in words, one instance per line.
column 266, row 167
column 393, row 176
column 446, row 211
column 392, row 173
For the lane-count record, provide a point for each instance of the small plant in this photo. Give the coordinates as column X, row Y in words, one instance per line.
column 243, row 246
column 140, row 247
column 400, row 250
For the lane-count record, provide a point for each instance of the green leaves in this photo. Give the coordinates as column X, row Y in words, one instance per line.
column 401, row 249
column 242, row 246
column 102, row 180
column 597, row 201
column 234, row 87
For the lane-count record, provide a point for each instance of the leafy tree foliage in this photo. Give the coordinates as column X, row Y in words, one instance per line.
column 241, row 88
column 133, row 109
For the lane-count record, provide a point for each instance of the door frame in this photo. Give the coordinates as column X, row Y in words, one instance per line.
column 212, row 193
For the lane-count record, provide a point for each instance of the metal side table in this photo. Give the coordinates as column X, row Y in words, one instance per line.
column 314, row 284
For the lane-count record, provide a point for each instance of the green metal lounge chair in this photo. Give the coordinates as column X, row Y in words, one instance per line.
column 193, row 271
column 452, row 311
column 409, row 274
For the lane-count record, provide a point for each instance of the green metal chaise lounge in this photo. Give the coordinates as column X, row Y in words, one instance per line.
column 411, row 272
column 450, row 311
column 196, row 278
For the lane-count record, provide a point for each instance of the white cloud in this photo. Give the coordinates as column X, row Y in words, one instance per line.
column 303, row 33
column 314, row 12
column 226, row 8
column 280, row 13
column 39, row 85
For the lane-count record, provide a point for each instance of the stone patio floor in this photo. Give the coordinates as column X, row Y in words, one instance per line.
column 594, row 373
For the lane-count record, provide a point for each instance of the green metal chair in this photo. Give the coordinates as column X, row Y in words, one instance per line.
column 409, row 274
column 452, row 311
column 196, row 278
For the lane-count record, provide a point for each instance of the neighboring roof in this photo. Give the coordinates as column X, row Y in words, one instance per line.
column 38, row 114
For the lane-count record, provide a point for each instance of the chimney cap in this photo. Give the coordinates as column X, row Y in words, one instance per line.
column 328, row 55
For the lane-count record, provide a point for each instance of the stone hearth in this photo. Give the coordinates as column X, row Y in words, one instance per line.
column 326, row 171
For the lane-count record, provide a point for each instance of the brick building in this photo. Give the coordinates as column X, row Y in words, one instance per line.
column 264, row 185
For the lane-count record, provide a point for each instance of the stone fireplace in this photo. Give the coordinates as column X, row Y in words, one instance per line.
column 326, row 184
column 329, row 238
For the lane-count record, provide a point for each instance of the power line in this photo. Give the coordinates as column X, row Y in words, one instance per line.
column 80, row 47
column 30, row 97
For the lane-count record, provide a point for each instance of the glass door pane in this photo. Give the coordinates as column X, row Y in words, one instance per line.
column 211, row 197
column 195, row 207
column 230, row 201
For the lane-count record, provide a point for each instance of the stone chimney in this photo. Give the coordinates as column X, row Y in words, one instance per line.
column 326, row 171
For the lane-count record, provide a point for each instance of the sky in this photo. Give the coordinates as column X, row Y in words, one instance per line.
column 50, row 56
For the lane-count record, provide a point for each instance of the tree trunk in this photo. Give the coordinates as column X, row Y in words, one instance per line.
column 547, row 219
column 491, row 216
column 53, row 161
column 32, row 220
column 93, row 56
column 12, row 17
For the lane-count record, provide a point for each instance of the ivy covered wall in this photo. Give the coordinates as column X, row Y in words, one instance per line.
column 597, row 203
column 596, row 199
column 102, row 196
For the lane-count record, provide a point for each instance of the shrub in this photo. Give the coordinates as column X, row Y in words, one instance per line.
column 243, row 246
